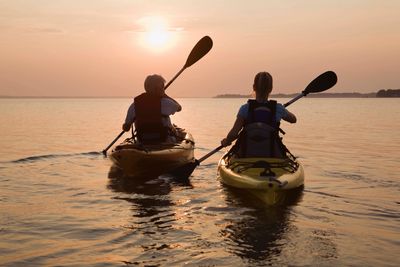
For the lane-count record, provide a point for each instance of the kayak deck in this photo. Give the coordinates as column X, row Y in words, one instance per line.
column 269, row 179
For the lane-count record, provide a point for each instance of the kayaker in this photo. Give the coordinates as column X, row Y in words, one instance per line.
column 257, row 123
column 150, row 112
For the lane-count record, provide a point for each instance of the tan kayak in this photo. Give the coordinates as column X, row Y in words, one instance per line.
column 136, row 159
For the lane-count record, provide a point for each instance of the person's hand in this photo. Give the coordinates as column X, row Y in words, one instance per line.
column 224, row 142
column 126, row 127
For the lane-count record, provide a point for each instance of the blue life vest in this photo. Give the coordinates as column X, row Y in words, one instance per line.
column 260, row 135
column 262, row 112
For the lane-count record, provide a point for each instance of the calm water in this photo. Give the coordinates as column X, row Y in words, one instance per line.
column 59, row 208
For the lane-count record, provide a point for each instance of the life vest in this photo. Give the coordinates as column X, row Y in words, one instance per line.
column 260, row 134
column 148, row 120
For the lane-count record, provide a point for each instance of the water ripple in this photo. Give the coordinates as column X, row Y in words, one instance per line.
column 364, row 178
column 52, row 156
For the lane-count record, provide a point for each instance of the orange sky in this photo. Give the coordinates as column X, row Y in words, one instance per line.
column 104, row 48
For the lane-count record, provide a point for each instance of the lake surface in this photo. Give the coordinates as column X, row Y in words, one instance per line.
column 59, row 208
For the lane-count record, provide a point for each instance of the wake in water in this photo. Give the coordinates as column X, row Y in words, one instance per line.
column 52, row 156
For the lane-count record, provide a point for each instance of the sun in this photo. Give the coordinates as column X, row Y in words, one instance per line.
column 156, row 34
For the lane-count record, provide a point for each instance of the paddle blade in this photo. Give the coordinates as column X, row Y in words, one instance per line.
column 199, row 50
column 183, row 172
column 323, row 82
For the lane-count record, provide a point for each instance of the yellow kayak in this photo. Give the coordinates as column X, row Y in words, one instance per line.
column 151, row 160
column 269, row 179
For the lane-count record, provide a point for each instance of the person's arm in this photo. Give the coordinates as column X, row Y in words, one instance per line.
column 289, row 117
column 130, row 118
column 169, row 106
column 284, row 114
column 234, row 132
column 179, row 107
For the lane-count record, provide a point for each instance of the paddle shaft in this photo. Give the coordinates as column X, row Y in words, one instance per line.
column 173, row 79
column 115, row 140
column 206, row 156
column 294, row 99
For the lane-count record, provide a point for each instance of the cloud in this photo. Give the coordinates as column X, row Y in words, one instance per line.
column 48, row 30
column 148, row 23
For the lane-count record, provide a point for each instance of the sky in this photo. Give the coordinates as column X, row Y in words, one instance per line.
column 106, row 48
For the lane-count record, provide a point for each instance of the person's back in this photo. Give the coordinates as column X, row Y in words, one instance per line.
column 150, row 112
column 148, row 123
column 260, row 136
column 257, row 123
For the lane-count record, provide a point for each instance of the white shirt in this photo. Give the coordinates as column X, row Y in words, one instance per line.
column 168, row 107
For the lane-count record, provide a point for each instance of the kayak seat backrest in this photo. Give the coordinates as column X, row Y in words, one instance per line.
column 150, row 134
column 259, row 140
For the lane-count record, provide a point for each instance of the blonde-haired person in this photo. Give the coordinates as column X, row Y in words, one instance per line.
column 257, row 123
column 150, row 112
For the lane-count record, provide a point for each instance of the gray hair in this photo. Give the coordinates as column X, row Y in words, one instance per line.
column 151, row 80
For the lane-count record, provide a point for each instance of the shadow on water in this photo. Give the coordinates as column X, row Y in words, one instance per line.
column 258, row 233
column 152, row 216
column 143, row 185
column 149, row 195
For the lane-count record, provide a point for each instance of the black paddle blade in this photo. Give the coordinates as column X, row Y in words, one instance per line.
column 323, row 82
column 199, row 50
column 183, row 172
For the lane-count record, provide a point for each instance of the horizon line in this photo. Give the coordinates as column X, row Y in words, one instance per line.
column 215, row 96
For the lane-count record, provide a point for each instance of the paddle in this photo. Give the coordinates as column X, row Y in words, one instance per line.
column 183, row 172
column 202, row 47
column 322, row 83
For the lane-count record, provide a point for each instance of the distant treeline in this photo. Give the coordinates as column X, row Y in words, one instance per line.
column 388, row 93
column 380, row 93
